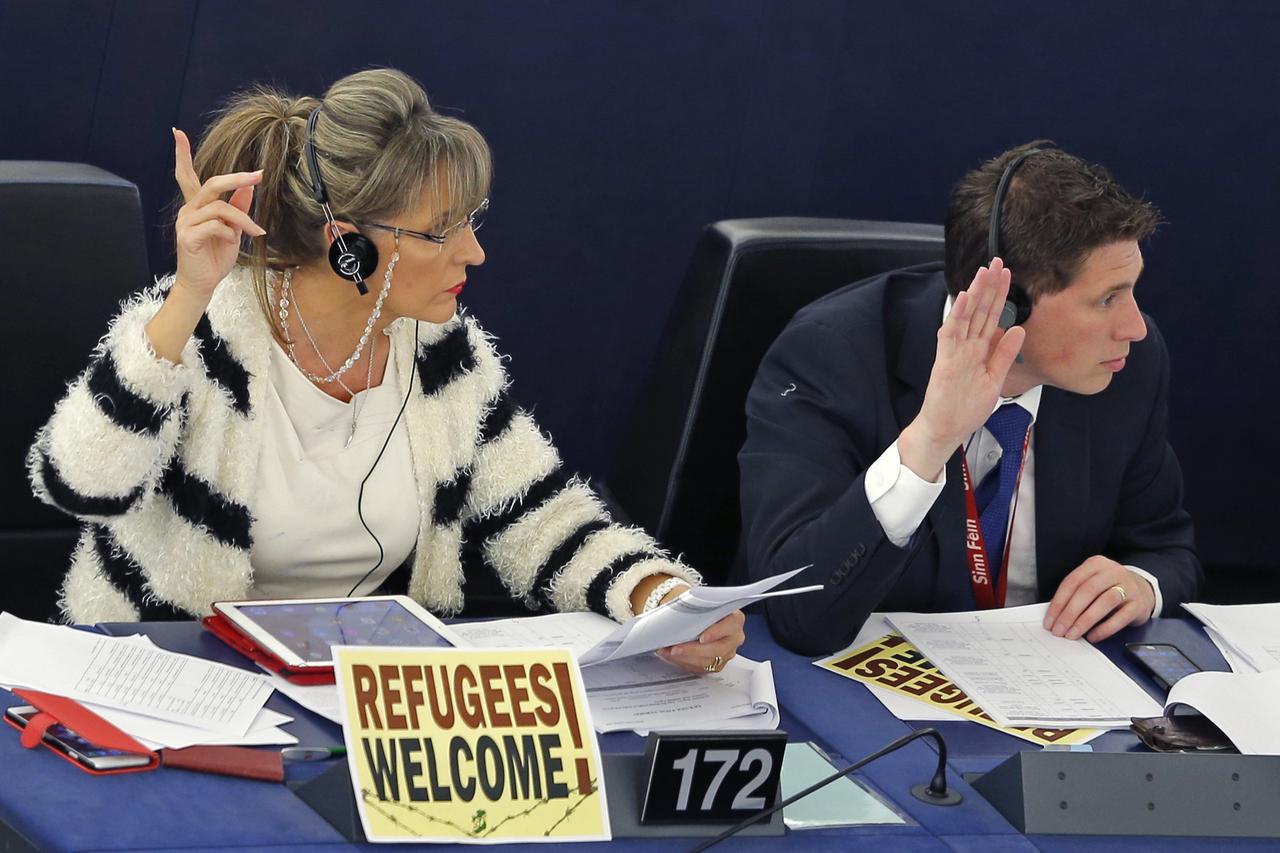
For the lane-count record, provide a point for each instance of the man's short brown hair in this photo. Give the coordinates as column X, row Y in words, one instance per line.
column 1057, row 210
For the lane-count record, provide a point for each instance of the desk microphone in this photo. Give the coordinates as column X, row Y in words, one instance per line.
column 934, row 793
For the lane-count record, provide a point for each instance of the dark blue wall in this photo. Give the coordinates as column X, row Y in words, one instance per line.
column 621, row 128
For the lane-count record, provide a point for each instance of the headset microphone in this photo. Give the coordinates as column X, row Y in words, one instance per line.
column 352, row 256
column 1017, row 305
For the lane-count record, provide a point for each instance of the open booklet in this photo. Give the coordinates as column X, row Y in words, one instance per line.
column 1242, row 705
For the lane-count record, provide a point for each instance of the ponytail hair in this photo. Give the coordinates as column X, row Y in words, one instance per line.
column 380, row 146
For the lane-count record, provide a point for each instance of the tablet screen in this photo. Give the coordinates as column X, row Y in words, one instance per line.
column 308, row 629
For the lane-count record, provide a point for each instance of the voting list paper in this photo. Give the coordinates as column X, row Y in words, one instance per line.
column 157, row 734
column 1021, row 674
column 119, row 673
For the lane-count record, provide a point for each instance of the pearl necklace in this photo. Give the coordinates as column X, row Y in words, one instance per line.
column 285, row 294
column 336, row 375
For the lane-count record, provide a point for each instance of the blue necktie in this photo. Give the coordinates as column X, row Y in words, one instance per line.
column 1009, row 426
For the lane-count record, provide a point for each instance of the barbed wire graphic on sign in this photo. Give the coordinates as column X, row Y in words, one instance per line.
column 479, row 819
column 371, row 800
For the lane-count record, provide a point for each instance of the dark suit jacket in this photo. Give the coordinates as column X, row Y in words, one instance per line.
column 859, row 359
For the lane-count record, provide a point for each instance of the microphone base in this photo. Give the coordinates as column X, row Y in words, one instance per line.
column 950, row 798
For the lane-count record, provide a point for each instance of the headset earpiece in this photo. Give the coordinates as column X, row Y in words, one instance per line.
column 1017, row 308
column 1017, row 305
column 354, row 257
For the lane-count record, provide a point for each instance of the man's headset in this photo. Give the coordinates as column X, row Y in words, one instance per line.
column 1017, row 305
column 353, row 256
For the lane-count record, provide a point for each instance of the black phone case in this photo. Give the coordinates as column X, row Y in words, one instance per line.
column 1150, row 670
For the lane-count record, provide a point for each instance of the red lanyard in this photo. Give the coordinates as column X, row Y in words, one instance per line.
column 975, row 546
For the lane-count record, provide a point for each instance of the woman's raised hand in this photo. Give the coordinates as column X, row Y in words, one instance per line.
column 208, row 230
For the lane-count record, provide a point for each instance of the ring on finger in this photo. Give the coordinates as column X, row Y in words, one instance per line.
column 714, row 666
column 1123, row 595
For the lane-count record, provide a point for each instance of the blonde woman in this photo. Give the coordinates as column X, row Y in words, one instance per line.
column 301, row 411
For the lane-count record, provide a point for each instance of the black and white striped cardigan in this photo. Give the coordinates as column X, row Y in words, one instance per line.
column 159, row 461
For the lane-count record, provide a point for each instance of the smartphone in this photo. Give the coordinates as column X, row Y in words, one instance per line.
column 71, row 744
column 1166, row 663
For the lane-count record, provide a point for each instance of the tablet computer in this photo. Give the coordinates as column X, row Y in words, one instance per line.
column 300, row 631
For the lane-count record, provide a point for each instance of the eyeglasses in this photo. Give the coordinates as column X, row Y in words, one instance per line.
column 473, row 220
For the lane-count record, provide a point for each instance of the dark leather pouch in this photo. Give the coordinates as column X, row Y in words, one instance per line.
column 1181, row 733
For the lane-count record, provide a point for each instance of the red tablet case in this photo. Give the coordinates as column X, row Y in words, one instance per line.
column 227, row 631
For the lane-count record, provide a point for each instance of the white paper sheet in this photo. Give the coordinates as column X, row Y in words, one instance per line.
column 741, row 696
column 1251, row 631
column 576, row 631
column 157, row 734
column 320, row 699
column 1021, row 674
column 129, row 675
column 596, row 639
column 902, row 707
column 642, row 692
column 685, row 618
column 1234, row 659
column 1243, row 705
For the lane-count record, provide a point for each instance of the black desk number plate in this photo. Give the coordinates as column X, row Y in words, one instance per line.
column 711, row 777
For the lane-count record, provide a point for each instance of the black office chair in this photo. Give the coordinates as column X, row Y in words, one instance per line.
column 74, row 246
column 676, row 473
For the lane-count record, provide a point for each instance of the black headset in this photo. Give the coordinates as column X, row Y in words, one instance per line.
column 353, row 256
column 1017, row 305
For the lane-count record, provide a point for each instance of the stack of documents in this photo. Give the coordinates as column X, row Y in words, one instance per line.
column 641, row 692
column 1021, row 674
column 628, row 687
column 160, row 698
column 1248, row 635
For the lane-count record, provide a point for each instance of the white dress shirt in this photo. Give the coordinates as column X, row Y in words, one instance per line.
column 901, row 500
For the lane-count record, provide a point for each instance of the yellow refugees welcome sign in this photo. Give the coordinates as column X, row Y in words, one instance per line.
column 475, row 746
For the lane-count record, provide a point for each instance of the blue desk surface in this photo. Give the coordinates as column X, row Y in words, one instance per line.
column 57, row 807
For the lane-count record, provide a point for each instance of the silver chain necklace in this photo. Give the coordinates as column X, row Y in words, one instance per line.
column 357, row 406
column 336, row 376
column 286, row 293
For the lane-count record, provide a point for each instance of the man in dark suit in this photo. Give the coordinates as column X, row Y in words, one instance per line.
column 879, row 402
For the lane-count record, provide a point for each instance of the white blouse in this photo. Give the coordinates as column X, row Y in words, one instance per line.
column 308, row 539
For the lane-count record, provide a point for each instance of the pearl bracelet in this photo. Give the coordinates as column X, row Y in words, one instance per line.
column 655, row 597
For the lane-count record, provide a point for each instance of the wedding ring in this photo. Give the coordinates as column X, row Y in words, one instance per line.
column 1123, row 596
column 714, row 666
